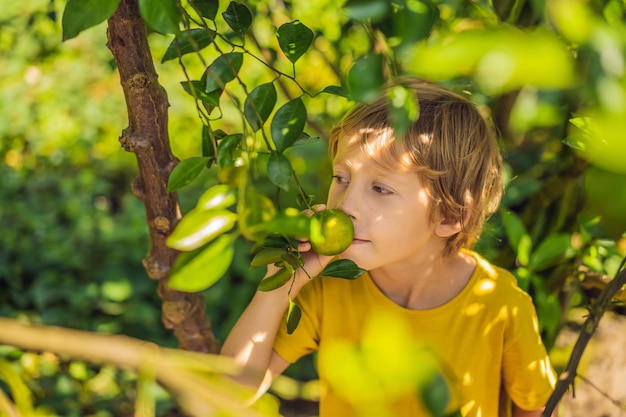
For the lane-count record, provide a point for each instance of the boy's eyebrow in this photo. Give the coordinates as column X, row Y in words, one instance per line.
column 342, row 163
column 374, row 168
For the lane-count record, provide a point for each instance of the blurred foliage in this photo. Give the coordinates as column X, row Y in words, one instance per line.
column 74, row 388
column 550, row 73
column 73, row 238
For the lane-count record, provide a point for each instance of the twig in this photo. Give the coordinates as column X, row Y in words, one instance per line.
column 604, row 394
column 199, row 381
column 589, row 327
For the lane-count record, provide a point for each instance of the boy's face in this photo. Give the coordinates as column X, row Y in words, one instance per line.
column 389, row 209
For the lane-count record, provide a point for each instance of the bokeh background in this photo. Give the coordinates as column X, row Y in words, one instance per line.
column 72, row 236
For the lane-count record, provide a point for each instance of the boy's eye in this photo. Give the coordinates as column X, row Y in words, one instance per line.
column 339, row 179
column 381, row 190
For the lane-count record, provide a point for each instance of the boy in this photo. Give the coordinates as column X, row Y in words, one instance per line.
column 417, row 202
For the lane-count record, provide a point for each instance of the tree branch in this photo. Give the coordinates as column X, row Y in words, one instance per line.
column 147, row 137
column 589, row 327
column 198, row 380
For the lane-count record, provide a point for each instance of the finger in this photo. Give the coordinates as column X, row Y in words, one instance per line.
column 304, row 246
column 315, row 208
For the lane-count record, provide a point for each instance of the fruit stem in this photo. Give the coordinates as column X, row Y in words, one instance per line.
column 303, row 195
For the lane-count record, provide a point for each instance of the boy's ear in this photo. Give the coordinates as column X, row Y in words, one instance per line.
column 447, row 227
column 450, row 226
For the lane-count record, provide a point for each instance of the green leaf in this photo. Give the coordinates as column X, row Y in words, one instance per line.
column 83, row 14
column 305, row 200
column 192, row 40
column 524, row 248
column 235, row 176
column 207, row 143
column 21, row 394
column 373, row 10
column 254, row 209
column 483, row 54
column 335, row 90
column 293, row 260
column 305, row 139
column 259, row 105
column 289, row 222
column 224, row 69
column 288, row 124
column 514, row 228
column 523, row 277
column 278, row 241
column 226, row 149
column 279, row 170
column 294, row 38
column 404, row 109
column 206, row 8
column 436, row 395
column 238, row 17
column 520, row 188
column 217, row 197
column 365, row 78
column 161, row 15
column 315, row 230
column 342, row 268
column 293, row 317
column 267, row 256
column 277, row 280
column 196, row 88
column 547, row 304
column 196, row 271
column 550, row 251
column 414, row 20
column 185, row 172
column 575, row 141
column 199, row 227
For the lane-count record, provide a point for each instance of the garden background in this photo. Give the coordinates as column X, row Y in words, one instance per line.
column 552, row 75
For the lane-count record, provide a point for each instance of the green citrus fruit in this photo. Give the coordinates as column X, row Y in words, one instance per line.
column 337, row 230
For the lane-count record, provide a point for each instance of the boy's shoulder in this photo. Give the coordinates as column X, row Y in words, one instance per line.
column 493, row 280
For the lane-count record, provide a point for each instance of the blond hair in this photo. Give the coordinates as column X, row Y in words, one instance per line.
column 451, row 146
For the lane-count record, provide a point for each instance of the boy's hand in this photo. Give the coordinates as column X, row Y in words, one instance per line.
column 313, row 262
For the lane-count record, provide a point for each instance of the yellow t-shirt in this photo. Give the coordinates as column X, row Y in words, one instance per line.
column 486, row 338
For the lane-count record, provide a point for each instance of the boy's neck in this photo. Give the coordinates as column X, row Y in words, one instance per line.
column 425, row 285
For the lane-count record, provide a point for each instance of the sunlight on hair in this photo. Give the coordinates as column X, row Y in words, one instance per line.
column 425, row 138
column 376, row 142
column 406, row 159
column 390, row 152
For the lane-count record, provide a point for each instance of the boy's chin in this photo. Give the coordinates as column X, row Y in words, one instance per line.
column 358, row 260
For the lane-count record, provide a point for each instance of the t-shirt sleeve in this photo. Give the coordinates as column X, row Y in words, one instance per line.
column 305, row 339
column 528, row 374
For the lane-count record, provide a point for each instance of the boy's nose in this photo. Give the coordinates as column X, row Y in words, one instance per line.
column 349, row 205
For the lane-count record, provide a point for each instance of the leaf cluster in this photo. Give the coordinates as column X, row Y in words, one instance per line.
column 549, row 73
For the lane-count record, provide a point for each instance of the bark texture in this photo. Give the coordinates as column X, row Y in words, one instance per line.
column 147, row 137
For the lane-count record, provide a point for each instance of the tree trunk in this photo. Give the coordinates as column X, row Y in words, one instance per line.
column 147, row 137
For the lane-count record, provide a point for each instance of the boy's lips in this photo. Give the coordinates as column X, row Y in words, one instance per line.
column 357, row 241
